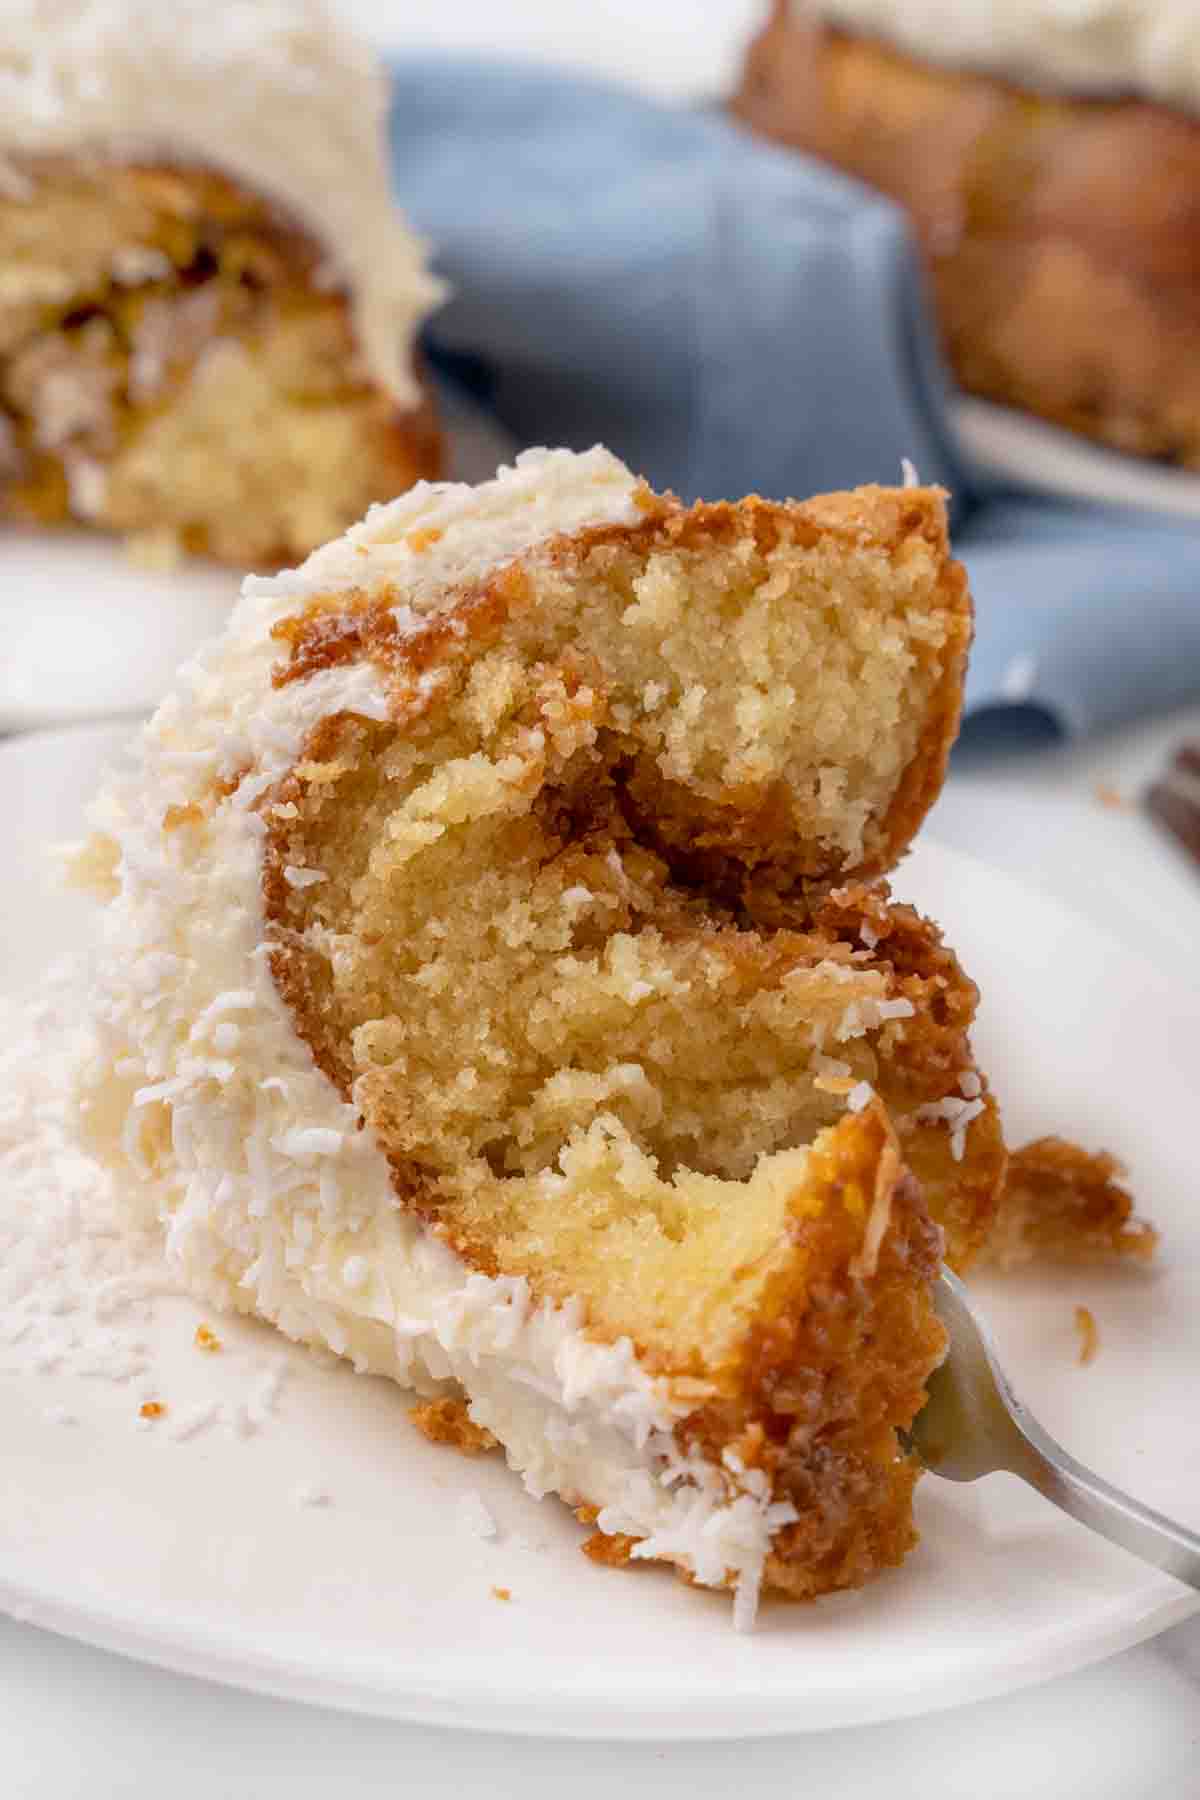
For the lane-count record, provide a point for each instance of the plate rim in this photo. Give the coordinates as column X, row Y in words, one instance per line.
column 1045, row 458
column 425, row 1700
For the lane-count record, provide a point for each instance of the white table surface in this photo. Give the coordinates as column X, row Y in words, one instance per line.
column 75, row 1721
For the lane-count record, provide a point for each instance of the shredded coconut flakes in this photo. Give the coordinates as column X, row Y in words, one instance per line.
column 473, row 1517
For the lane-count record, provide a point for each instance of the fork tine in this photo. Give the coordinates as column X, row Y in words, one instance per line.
column 965, row 1429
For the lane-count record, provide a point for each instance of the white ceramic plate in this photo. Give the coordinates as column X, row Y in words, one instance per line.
column 88, row 634
column 198, row 1555
column 1036, row 455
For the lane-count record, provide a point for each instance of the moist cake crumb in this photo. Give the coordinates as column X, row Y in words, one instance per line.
column 447, row 1421
column 549, row 1047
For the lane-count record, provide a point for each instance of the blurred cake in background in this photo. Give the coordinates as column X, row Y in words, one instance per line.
column 208, row 299
column 1048, row 153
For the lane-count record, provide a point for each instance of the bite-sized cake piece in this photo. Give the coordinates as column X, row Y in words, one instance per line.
column 1061, row 1203
column 491, row 993
column 208, row 299
column 1049, row 159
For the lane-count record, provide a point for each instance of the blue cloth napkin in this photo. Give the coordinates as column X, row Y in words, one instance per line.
column 729, row 317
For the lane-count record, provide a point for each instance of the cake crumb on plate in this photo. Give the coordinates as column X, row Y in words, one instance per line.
column 447, row 1421
column 1089, row 1334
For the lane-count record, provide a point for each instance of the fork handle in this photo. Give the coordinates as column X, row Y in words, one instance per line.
column 1042, row 1462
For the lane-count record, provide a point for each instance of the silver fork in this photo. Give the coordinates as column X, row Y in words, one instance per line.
column 973, row 1424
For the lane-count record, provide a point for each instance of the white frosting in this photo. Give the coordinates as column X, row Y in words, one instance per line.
column 274, row 92
column 444, row 534
column 274, row 1195
column 1149, row 47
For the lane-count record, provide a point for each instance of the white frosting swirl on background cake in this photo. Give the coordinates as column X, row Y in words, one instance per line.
column 1148, row 47
column 274, row 1193
column 275, row 93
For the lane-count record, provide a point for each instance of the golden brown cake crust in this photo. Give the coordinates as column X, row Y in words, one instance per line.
column 929, row 1063
column 173, row 367
column 1059, row 233
column 825, row 1383
column 821, row 1385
